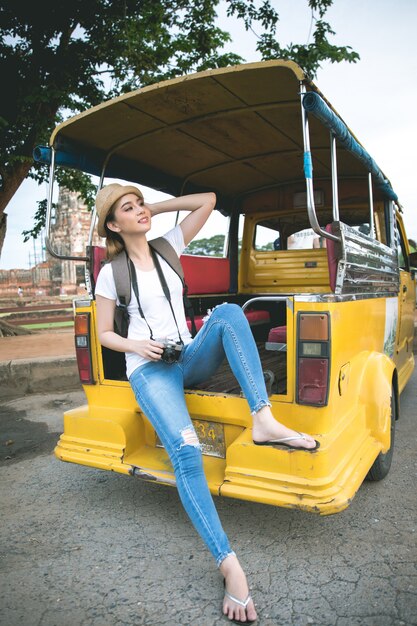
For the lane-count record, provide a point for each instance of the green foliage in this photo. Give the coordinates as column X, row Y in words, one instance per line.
column 58, row 58
column 212, row 246
column 55, row 59
column 39, row 221
column 308, row 56
column 266, row 247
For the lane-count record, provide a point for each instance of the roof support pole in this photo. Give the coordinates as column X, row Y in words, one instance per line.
column 94, row 211
column 48, row 220
column 49, row 203
column 335, row 190
column 371, row 208
column 308, row 173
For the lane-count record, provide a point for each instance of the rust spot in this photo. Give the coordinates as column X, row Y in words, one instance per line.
column 139, row 473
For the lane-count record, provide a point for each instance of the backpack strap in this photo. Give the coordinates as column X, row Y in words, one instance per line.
column 167, row 252
column 122, row 280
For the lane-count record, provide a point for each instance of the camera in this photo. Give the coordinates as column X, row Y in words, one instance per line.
column 172, row 351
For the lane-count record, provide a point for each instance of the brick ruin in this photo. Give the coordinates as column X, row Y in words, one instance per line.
column 53, row 277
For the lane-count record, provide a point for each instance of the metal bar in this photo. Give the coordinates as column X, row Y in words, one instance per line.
column 335, row 190
column 92, row 226
column 265, row 299
column 308, row 173
column 371, row 208
column 49, row 203
column 94, row 212
column 48, row 243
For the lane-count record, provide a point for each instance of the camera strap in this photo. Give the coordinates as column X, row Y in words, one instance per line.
column 165, row 289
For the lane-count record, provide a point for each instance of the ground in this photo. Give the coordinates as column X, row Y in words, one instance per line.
column 44, row 344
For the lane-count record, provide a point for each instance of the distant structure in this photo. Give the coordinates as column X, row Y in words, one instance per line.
column 69, row 236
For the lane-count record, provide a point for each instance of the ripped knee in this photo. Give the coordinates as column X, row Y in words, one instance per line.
column 189, row 438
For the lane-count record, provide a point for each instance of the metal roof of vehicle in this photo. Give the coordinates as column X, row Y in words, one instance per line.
column 233, row 130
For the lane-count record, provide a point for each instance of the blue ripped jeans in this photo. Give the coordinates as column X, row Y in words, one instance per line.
column 159, row 390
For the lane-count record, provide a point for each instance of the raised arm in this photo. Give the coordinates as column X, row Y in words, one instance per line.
column 200, row 206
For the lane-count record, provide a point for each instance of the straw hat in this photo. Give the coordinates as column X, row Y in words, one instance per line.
column 105, row 199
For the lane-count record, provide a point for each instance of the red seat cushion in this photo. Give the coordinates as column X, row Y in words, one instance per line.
column 278, row 334
column 98, row 256
column 202, row 274
column 256, row 317
column 206, row 274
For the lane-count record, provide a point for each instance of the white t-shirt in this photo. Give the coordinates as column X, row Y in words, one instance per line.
column 154, row 304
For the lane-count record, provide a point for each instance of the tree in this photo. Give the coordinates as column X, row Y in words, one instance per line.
column 212, row 246
column 60, row 57
column 309, row 56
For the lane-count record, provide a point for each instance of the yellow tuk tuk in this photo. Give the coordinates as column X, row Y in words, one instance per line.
column 315, row 253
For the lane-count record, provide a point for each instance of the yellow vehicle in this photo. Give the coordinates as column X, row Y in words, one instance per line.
column 322, row 271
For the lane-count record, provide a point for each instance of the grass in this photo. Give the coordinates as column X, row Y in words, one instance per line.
column 48, row 326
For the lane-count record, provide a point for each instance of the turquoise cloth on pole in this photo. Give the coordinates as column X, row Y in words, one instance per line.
column 314, row 104
column 308, row 165
column 65, row 158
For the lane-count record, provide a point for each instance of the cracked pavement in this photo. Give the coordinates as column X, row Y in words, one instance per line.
column 84, row 547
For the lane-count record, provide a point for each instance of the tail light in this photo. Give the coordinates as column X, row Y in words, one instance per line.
column 83, row 348
column 313, row 358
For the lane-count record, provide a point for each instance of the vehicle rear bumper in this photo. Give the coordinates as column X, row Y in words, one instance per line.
column 122, row 440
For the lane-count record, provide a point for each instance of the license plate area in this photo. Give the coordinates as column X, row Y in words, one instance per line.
column 210, row 436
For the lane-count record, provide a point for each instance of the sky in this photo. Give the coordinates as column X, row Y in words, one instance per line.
column 376, row 97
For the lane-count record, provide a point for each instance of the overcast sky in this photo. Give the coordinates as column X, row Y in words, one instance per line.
column 376, row 97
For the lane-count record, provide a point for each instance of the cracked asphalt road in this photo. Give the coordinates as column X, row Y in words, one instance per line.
column 83, row 547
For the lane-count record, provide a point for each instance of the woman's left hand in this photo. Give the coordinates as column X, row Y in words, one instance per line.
column 200, row 206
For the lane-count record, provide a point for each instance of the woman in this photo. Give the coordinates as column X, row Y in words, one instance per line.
column 125, row 219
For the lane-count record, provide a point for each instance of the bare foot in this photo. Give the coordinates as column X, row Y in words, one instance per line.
column 236, row 584
column 266, row 427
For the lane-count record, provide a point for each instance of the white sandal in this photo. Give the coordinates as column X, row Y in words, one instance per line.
column 241, row 603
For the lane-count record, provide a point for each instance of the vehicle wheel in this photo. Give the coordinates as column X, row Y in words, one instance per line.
column 382, row 463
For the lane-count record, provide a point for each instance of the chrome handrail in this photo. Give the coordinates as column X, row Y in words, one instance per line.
column 48, row 244
column 308, row 173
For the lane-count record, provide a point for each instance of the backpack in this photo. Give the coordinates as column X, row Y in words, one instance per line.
column 123, row 281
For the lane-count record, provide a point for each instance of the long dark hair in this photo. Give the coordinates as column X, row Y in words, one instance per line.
column 114, row 241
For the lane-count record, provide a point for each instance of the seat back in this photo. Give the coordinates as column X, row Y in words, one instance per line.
column 97, row 256
column 203, row 275
column 278, row 334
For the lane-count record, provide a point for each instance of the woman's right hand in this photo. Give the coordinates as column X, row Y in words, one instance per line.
column 146, row 348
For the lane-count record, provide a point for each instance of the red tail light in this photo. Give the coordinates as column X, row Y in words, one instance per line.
column 83, row 348
column 313, row 358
